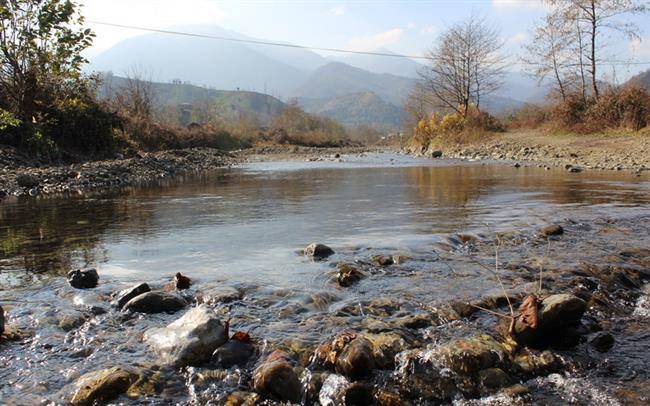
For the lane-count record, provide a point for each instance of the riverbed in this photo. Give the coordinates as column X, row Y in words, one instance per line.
column 238, row 233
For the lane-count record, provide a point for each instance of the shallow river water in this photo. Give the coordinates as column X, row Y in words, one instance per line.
column 241, row 229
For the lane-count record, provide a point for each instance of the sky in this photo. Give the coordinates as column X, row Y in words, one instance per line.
column 407, row 26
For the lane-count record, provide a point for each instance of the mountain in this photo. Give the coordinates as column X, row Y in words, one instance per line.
column 354, row 109
column 336, row 79
column 221, row 64
column 642, row 80
column 230, row 104
column 381, row 64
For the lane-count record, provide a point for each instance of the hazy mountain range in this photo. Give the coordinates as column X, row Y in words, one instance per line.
column 355, row 89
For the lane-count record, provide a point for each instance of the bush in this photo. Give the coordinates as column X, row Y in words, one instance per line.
column 455, row 127
column 295, row 126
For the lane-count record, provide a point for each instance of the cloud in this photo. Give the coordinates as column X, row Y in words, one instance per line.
column 372, row 42
column 518, row 5
column 338, row 10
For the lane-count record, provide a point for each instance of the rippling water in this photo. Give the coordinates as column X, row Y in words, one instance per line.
column 242, row 228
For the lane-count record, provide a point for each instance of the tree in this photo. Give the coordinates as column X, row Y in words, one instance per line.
column 41, row 42
column 550, row 53
column 593, row 18
column 464, row 66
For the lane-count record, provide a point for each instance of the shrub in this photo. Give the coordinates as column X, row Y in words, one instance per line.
column 455, row 127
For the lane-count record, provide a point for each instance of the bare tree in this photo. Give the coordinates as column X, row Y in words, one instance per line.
column 464, row 66
column 593, row 18
column 550, row 53
column 416, row 104
column 136, row 96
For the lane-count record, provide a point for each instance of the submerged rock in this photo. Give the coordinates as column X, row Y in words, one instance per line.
column 348, row 275
column 467, row 356
column 318, row 251
column 357, row 360
column 602, row 341
column 102, row 386
column 190, row 340
column 275, row 378
column 155, row 302
column 83, row 279
column 122, row 297
column 69, row 322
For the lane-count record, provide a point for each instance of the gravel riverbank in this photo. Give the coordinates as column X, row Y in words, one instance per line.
column 21, row 176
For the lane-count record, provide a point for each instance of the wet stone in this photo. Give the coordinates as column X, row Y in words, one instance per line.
column 190, row 340
column 234, row 352
column 348, row 275
column 83, row 279
column 155, row 302
column 466, row 356
column 318, row 251
column 122, row 297
column 357, row 360
column 27, row 181
column 383, row 260
column 276, row 379
column 102, row 386
column 494, row 378
column 69, row 322
column 338, row 391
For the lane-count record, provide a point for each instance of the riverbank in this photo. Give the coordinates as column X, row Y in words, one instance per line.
column 20, row 176
column 534, row 148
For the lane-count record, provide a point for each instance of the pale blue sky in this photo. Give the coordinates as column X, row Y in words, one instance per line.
column 408, row 27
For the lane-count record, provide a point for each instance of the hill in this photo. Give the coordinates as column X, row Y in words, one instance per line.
column 336, row 79
column 642, row 80
column 381, row 64
column 354, row 109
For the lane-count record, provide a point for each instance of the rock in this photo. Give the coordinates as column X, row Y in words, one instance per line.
column 27, row 181
column 348, row 275
column 338, row 391
column 357, row 360
column 515, row 390
column 275, row 378
column 155, row 302
column 69, row 322
column 180, row 282
column 234, row 352
column 602, row 341
column 102, row 386
column 123, row 296
column 467, row 356
column 83, row 279
column 383, row 260
column 222, row 294
column 534, row 363
column 575, row 169
column 553, row 229
column 318, row 251
column 190, row 340
column 517, row 165
column 2, row 320
column 494, row 378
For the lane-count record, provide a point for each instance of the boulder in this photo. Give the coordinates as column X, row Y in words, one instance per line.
column 436, row 154
column 555, row 314
column 275, row 378
column 348, row 275
column 190, row 340
column 83, row 279
column 102, row 386
column 27, row 181
column 122, row 297
column 155, row 302
column 318, row 251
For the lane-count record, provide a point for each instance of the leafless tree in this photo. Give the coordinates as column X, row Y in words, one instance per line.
column 417, row 104
column 137, row 95
column 464, row 65
column 593, row 19
column 550, row 53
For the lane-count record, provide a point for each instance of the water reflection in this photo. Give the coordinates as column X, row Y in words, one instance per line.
column 246, row 223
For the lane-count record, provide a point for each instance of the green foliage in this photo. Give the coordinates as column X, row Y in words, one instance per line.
column 7, row 121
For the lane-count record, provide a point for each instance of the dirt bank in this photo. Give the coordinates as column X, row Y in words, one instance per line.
column 610, row 152
column 20, row 175
column 280, row 152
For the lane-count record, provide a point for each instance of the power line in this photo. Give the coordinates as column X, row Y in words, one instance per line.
column 258, row 42
column 313, row 48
